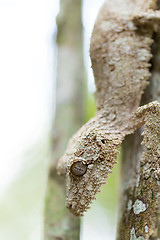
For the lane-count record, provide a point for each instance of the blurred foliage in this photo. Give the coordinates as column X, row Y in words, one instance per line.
column 90, row 107
column 108, row 197
column 21, row 206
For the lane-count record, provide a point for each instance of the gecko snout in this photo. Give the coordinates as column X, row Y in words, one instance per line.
column 69, row 205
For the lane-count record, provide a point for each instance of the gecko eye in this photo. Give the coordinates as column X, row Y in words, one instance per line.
column 78, row 168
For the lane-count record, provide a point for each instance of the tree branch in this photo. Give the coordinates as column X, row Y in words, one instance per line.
column 140, row 199
column 59, row 222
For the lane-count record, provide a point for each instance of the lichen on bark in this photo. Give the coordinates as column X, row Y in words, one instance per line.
column 138, row 182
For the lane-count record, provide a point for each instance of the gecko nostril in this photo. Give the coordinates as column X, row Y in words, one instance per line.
column 69, row 205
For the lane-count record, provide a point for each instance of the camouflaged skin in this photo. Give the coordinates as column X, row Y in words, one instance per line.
column 120, row 54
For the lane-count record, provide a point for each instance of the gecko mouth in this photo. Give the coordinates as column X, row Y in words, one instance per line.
column 73, row 209
column 81, row 191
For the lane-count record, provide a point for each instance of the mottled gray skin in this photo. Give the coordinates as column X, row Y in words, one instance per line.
column 120, row 54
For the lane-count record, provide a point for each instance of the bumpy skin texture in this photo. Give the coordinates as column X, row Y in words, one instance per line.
column 120, row 55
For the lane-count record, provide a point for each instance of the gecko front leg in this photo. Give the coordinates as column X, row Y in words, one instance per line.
column 150, row 158
column 150, row 18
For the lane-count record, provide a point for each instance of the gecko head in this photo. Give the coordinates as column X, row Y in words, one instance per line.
column 88, row 160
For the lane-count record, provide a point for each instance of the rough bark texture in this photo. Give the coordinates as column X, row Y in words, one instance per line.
column 140, row 196
column 59, row 222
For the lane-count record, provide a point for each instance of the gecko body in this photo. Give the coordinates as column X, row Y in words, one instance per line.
column 120, row 53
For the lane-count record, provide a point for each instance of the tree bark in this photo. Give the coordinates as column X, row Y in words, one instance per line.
column 139, row 216
column 59, row 223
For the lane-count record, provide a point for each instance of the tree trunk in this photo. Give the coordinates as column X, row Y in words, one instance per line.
column 59, row 222
column 140, row 197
